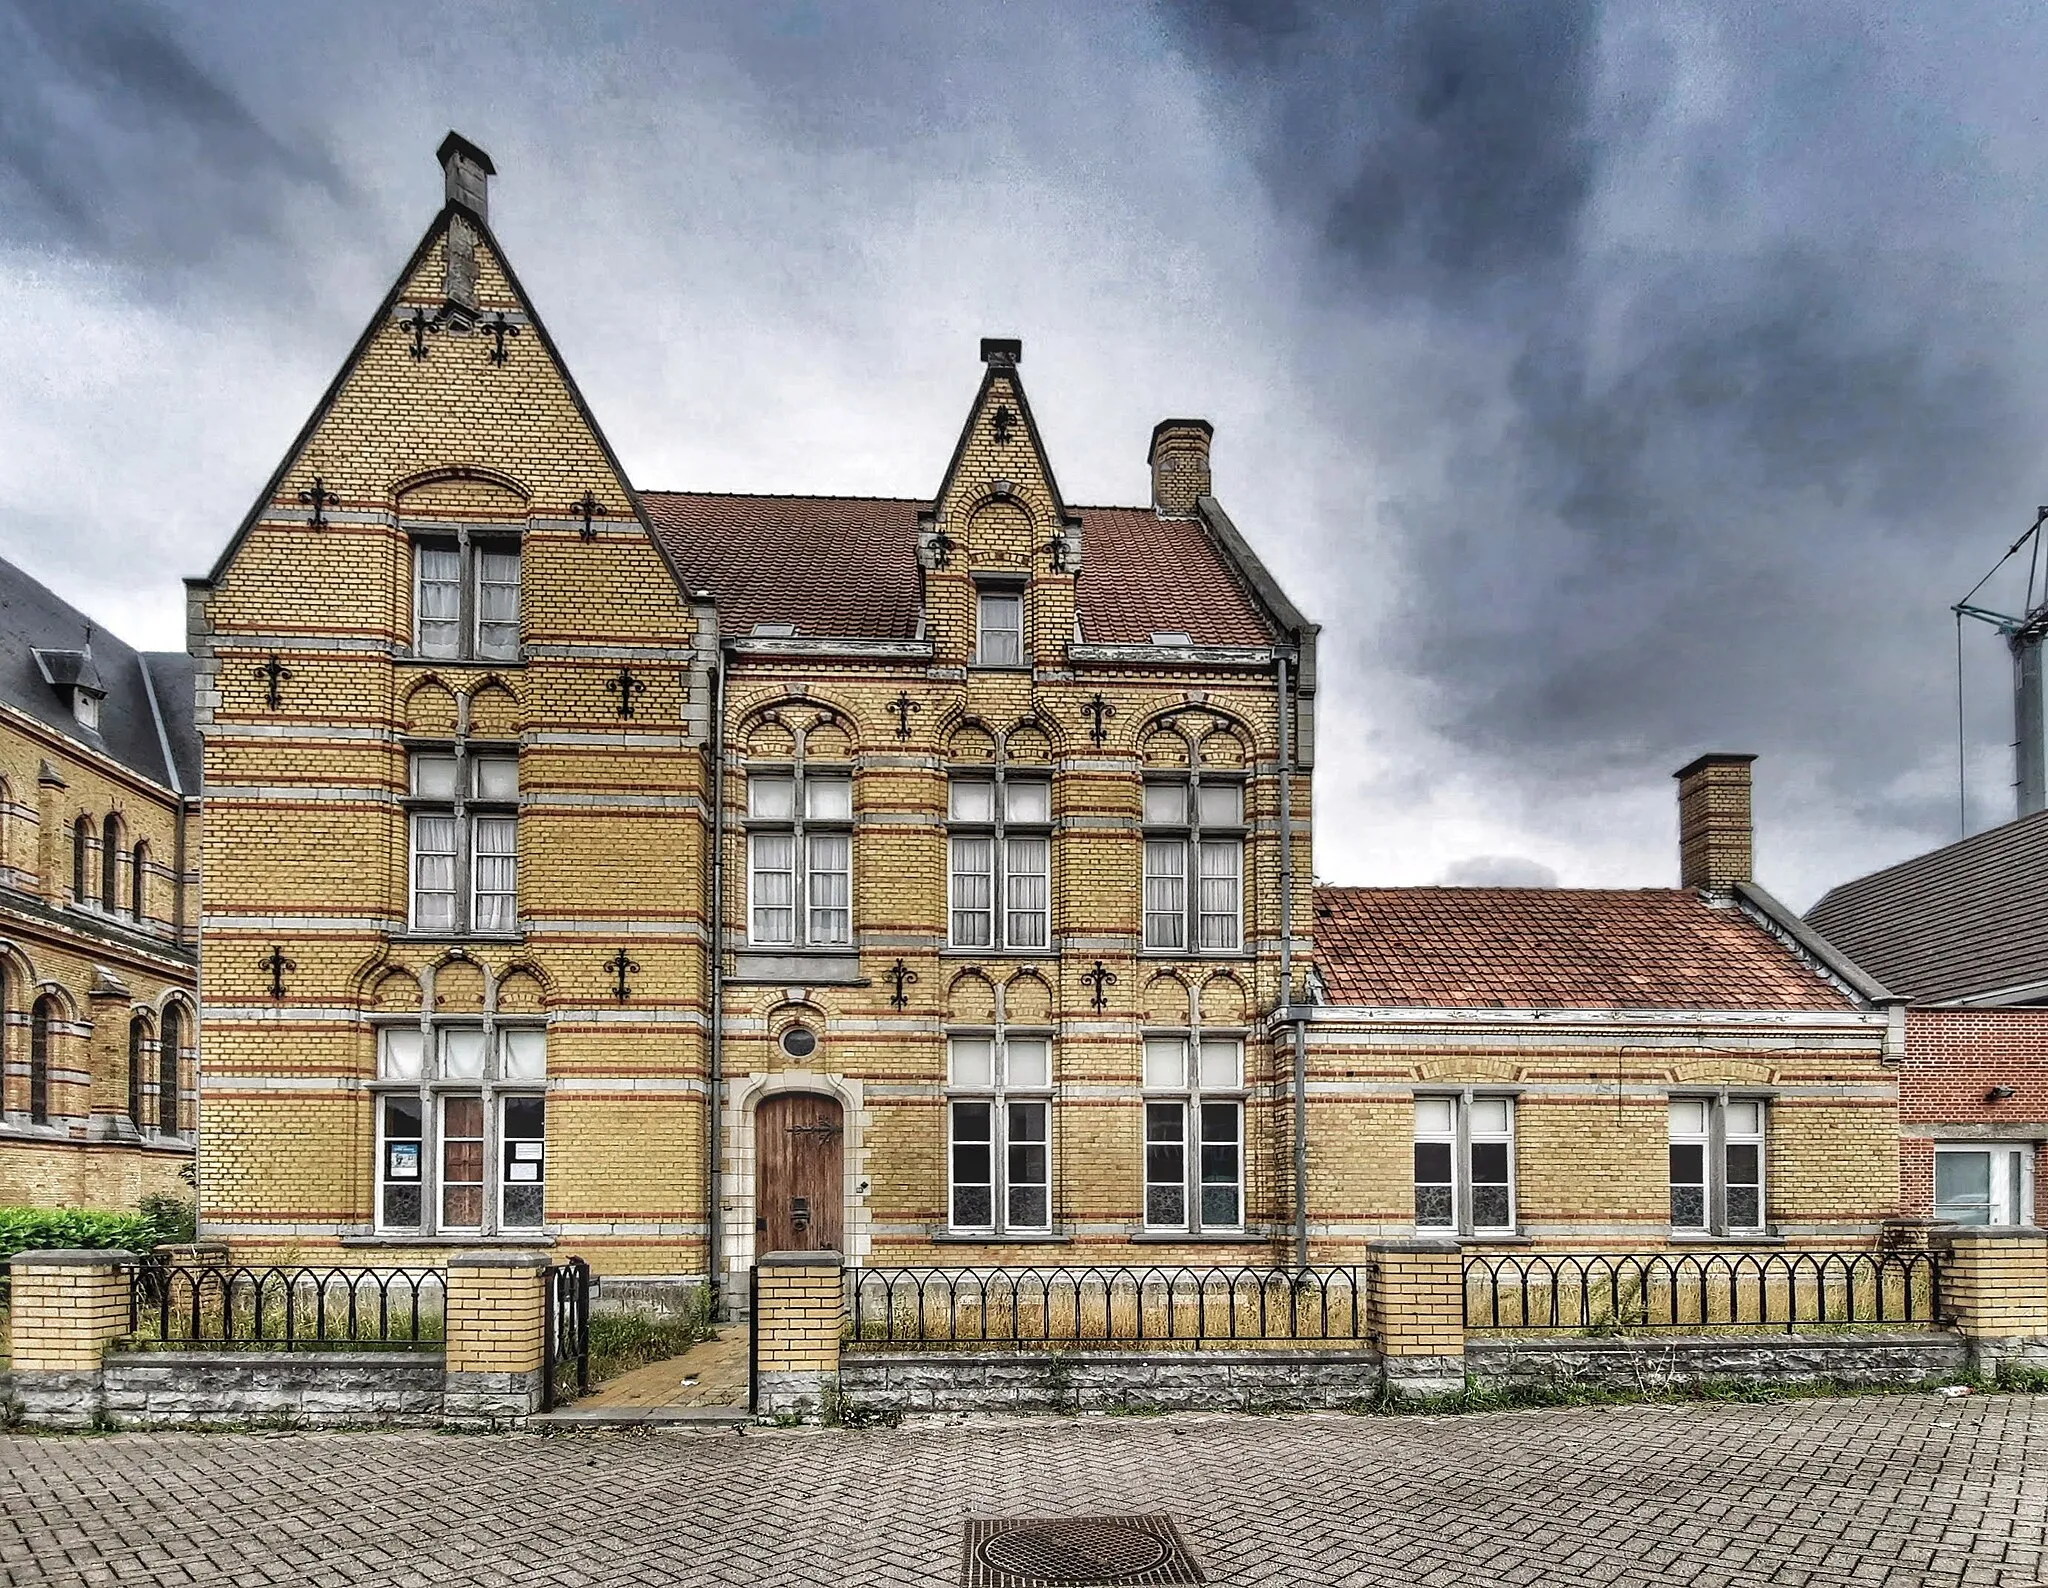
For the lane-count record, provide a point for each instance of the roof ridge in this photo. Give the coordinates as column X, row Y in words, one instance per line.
column 787, row 496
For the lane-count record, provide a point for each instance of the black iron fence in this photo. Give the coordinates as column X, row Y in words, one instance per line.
column 1594, row 1293
column 566, row 1371
column 215, row 1307
column 1105, row 1307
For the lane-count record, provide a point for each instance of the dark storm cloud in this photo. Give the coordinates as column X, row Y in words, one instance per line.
column 116, row 143
column 1697, row 362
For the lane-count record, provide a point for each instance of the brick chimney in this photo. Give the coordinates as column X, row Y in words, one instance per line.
column 1180, row 465
column 1715, row 833
column 466, row 171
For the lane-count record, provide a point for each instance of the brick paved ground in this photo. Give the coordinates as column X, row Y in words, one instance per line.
column 1901, row 1491
column 712, row 1372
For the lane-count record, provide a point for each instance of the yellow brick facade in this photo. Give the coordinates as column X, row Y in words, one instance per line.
column 89, row 987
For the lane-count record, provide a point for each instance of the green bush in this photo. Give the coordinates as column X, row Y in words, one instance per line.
column 174, row 1218
column 46, row 1229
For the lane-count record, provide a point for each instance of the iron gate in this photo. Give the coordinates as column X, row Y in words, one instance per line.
column 567, row 1331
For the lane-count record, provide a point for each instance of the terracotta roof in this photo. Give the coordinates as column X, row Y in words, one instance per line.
column 1966, row 920
column 846, row 567
column 1553, row 948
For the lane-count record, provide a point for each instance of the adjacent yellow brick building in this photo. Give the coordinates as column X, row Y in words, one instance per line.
column 98, row 833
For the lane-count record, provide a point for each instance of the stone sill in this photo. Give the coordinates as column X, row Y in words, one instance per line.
column 968, row 1238
column 187, row 1356
column 1200, row 1238
column 1218, row 1353
column 1703, row 1238
column 511, row 1243
column 1511, row 1239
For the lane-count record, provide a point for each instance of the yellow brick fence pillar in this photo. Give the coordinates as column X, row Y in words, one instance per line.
column 799, row 1301
column 1416, row 1316
column 1994, row 1285
column 66, row 1306
column 497, row 1335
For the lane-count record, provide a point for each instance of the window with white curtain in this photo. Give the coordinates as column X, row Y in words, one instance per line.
column 465, row 596
column 463, row 817
column 1001, row 862
column 800, row 859
column 1194, row 865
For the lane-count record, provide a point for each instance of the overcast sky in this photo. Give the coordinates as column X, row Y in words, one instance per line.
column 1613, row 382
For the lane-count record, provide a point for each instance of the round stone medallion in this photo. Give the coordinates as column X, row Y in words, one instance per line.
column 1077, row 1552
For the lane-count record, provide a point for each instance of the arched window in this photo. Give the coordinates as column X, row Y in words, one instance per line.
column 138, row 1061
column 81, row 859
column 138, row 887
column 39, row 1023
column 110, row 864
column 172, row 1038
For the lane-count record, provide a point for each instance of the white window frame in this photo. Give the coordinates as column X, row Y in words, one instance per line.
column 1013, row 595
column 467, row 810
column 810, row 835
column 1002, row 1092
column 471, row 548
column 2010, row 1202
column 1469, row 1129
column 1722, row 1135
column 513, row 1065
column 1003, row 880
column 1188, row 1097
column 1175, row 916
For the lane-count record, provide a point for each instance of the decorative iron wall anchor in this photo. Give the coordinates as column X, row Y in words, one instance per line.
column 1101, row 978
column 317, row 497
column 276, row 963
column 943, row 546
column 903, row 976
column 625, row 686
column 499, row 328
column 1098, row 711
column 1002, row 421
column 589, row 507
column 903, row 706
column 273, row 673
column 621, row 965
column 420, row 324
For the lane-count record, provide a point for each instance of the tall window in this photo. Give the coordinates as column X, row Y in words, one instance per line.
column 110, row 864
column 1194, row 864
column 170, row 1044
column 466, row 597
column 40, row 1020
column 800, row 859
column 138, row 886
column 999, row 638
column 81, row 860
column 1465, row 1164
column 138, row 1064
column 1001, row 1151
column 1984, row 1184
column 1717, row 1164
column 461, row 1128
column 1194, row 1133
column 1001, row 862
column 465, row 841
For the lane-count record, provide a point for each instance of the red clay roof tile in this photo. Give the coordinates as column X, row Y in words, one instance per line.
column 1553, row 948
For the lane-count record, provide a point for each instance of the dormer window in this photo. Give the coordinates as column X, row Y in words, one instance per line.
column 1000, row 634
column 85, row 706
column 76, row 681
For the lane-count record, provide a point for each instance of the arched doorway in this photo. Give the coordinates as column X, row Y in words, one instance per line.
column 800, row 1186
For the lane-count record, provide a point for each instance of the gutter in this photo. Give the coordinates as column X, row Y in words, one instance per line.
column 1815, row 947
column 715, row 1101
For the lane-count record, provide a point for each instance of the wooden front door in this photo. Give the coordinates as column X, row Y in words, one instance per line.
column 800, row 1191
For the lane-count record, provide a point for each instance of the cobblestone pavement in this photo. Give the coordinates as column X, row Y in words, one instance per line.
column 1905, row 1491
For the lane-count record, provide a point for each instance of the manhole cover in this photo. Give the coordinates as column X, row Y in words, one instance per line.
column 1075, row 1552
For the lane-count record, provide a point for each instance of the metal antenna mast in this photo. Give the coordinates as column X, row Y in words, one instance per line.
column 2023, row 637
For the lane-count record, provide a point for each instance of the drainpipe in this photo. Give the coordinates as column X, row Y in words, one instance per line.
column 714, row 1275
column 1287, row 966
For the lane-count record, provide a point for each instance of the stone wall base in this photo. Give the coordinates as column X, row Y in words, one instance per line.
column 473, row 1398
column 53, row 1400
column 1412, row 1377
column 1988, row 1356
column 647, row 1292
column 800, row 1394
column 1107, row 1380
column 313, row 1388
column 1651, row 1365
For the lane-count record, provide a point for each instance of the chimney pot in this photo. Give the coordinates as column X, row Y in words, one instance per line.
column 1179, row 457
column 1716, row 835
column 1002, row 350
column 466, row 172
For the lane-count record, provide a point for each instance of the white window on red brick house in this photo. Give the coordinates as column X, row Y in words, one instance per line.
column 1194, row 864
column 463, row 820
column 1000, row 868
column 1992, row 1183
column 1194, row 1133
column 999, row 1152
column 1717, row 1165
column 1465, row 1164
column 800, row 859
column 461, row 1128
column 465, row 597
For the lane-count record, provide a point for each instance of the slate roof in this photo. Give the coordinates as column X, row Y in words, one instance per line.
column 1959, row 922
column 1553, row 948
column 132, row 729
column 846, row 567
